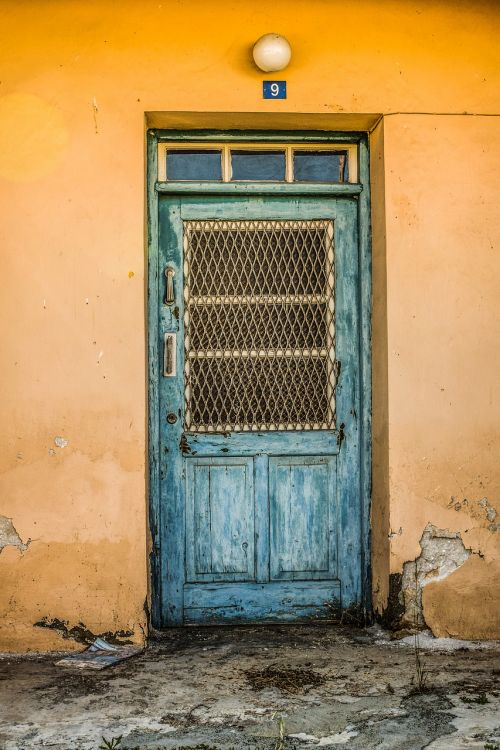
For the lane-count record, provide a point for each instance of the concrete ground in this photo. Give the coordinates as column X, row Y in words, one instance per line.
column 354, row 688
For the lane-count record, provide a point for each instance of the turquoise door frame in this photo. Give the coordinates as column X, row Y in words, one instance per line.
column 348, row 205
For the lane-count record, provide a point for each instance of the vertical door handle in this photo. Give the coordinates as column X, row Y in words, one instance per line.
column 169, row 288
column 170, row 355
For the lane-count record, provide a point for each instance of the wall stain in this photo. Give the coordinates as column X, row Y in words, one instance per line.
column 392, row 615
column 81, row 633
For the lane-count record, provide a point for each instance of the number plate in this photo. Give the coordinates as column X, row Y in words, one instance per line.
column 274, row 89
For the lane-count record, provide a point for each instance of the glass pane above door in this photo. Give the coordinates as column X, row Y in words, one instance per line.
column 199, row 165
column 280, row 163
column 320, row 166
column 255, row 166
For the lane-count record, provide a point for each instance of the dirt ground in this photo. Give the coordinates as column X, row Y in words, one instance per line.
column 237, row 687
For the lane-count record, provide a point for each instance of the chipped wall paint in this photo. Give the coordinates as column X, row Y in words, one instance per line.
column 9, row 536
column 72, row 315
column 442, row 552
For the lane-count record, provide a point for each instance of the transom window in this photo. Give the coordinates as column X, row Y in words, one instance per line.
column 269, row 162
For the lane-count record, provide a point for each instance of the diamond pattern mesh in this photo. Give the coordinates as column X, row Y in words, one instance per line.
column 259, row 325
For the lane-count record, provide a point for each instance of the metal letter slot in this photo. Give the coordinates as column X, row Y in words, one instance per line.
column 170, row 355
column 169, row 290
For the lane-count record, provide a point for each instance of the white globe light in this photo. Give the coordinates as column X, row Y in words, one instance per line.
column 272, row 52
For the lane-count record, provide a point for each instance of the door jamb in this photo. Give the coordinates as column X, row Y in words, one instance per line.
column 154, row 353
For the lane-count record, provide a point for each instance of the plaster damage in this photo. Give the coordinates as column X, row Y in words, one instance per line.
column 491, row 513
column 10, row 537
column 480, row 510
column 81, row 633
column 442, row 553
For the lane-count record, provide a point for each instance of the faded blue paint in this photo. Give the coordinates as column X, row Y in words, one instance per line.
column 219, row 519
column 260, row 526
column 303, row 515
column 285, row 601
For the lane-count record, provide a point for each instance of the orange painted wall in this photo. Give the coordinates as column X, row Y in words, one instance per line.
column 76, row 82
column 442, row 197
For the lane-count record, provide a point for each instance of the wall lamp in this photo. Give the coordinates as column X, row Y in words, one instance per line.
column 272, row 52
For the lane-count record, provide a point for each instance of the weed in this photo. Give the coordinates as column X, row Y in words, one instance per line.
column 421, row 673
column 489, row 746
column 111, row 744
column 420, row 670
column 280, row 744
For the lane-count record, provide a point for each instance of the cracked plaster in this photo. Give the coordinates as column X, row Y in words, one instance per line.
column 442, row 552
column 9, row 536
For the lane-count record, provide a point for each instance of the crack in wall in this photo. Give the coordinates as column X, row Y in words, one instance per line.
column 9, row 536
column 443, row 552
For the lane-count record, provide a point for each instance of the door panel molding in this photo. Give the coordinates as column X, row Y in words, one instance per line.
column 303, row 511
column 214, row 488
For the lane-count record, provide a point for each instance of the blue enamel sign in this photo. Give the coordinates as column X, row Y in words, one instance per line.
column 274, row 89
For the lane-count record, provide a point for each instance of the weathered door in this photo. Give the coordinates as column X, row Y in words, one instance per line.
column 258, row 390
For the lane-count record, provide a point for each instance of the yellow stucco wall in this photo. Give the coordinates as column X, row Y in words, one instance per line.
column 436, row 376
column 76, row 80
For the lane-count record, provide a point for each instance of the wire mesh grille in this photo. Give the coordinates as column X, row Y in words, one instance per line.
column 259, row 325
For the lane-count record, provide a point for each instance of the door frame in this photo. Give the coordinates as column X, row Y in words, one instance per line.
column 362, row 191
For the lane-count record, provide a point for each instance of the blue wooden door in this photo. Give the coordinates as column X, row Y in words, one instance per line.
column 259, row 390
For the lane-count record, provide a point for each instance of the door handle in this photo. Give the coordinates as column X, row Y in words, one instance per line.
column 170, row 355
column 169, row 288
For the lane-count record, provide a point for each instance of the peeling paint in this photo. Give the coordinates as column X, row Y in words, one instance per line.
column 491, row 513
column 477, row 509
column 81, row 633
column 9, row 536
column 443, row 551
column 61, row 442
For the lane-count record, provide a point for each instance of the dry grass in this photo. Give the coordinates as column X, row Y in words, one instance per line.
column 284, row 678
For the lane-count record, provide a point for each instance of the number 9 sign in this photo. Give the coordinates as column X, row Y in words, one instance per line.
column 274, row 89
